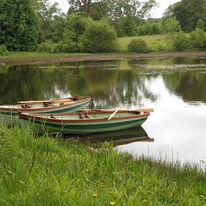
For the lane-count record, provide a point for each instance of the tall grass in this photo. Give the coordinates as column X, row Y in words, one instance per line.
column 53, row 171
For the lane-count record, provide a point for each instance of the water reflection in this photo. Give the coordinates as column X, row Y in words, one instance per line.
column 174, row 87
column 117, row 138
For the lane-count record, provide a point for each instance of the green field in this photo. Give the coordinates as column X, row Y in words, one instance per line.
column 155, row 43
column 53, row 171
column 35, row 55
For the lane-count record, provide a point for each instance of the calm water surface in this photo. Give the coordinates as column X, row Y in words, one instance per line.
column 174, row 87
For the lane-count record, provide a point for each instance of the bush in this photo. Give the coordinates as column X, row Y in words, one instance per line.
column 3, row 50
column 181, row 42
column 138, row 45
column 197, row 38
column 57, row 47
column 99, row 37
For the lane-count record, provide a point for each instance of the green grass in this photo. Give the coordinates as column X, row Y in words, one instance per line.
column 35, row 55
column 155, row 43
column 49, row 171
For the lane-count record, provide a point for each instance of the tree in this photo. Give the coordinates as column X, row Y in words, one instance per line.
column 75, row 26
column 79, row 5
column 19, row 25
column 128, row 26
column 117, row 8
column 98, row 10
column 52, row 20
column 200, row 24
column 188, row 12
column 137, row 8
column 99, row 37
column 170, row 26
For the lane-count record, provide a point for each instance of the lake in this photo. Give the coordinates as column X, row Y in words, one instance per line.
column 174, row 87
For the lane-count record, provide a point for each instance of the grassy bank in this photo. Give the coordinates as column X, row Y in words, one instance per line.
column 157, row 44
column 37, row 55
column 48, row 171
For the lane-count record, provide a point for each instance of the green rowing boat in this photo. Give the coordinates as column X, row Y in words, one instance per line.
column 83, row 122
column 9, row 113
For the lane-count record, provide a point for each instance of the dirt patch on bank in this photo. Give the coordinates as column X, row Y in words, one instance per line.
column 97, row 57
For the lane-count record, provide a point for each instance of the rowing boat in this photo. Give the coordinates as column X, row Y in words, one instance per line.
column 83, row 122
column 9, row 113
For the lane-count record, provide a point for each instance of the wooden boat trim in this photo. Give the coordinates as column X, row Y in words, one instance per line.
column 48, row 100
column 50, row 119
column 84, row 99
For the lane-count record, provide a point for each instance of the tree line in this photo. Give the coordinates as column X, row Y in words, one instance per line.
column 93, row 26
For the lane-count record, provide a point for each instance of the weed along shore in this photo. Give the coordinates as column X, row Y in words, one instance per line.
column 52, row 171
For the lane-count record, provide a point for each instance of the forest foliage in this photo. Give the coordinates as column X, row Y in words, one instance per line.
column 90, row 26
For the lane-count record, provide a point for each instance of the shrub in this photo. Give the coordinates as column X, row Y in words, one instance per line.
column 181, row 42
column 197, row 38
column 3, row 50
column 138, row 45
column 99, row 37
column 62, row 47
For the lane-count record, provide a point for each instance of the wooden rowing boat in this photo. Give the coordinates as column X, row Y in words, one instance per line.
column 83, row 122
column 9, row 113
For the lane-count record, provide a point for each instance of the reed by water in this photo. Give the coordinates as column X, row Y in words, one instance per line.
column 52, row 171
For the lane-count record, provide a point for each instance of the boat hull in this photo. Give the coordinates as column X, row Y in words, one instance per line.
column 9, row 114
column 80, row 126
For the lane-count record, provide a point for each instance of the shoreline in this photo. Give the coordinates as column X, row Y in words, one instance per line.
column 97, row 57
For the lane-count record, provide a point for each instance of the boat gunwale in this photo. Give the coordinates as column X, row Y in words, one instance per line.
column 50, row 119
column 84, row 99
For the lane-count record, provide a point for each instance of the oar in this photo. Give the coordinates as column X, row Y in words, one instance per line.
column 110, row 117
column 42, row 101
column 145, row 110
column 106, row 110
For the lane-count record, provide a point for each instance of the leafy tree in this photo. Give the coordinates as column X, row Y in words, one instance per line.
column 128, row 26
column 170, row 26
column 3, row 50
column 137, row 8
column 116, row 8
column 200, row 24
column 52, row 20
column 188, row 12
column 149, row 28
column 75, row 26
column 99, row 37
column 19, row 25
column 79, row 5
column 98, row 10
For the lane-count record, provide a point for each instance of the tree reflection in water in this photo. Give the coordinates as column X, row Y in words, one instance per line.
column 110, row 83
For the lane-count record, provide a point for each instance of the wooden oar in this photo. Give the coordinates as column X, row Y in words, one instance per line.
column 42, row 101
column 145, row 110
column 110, row 117
column 94, row 110
column 104, row 110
